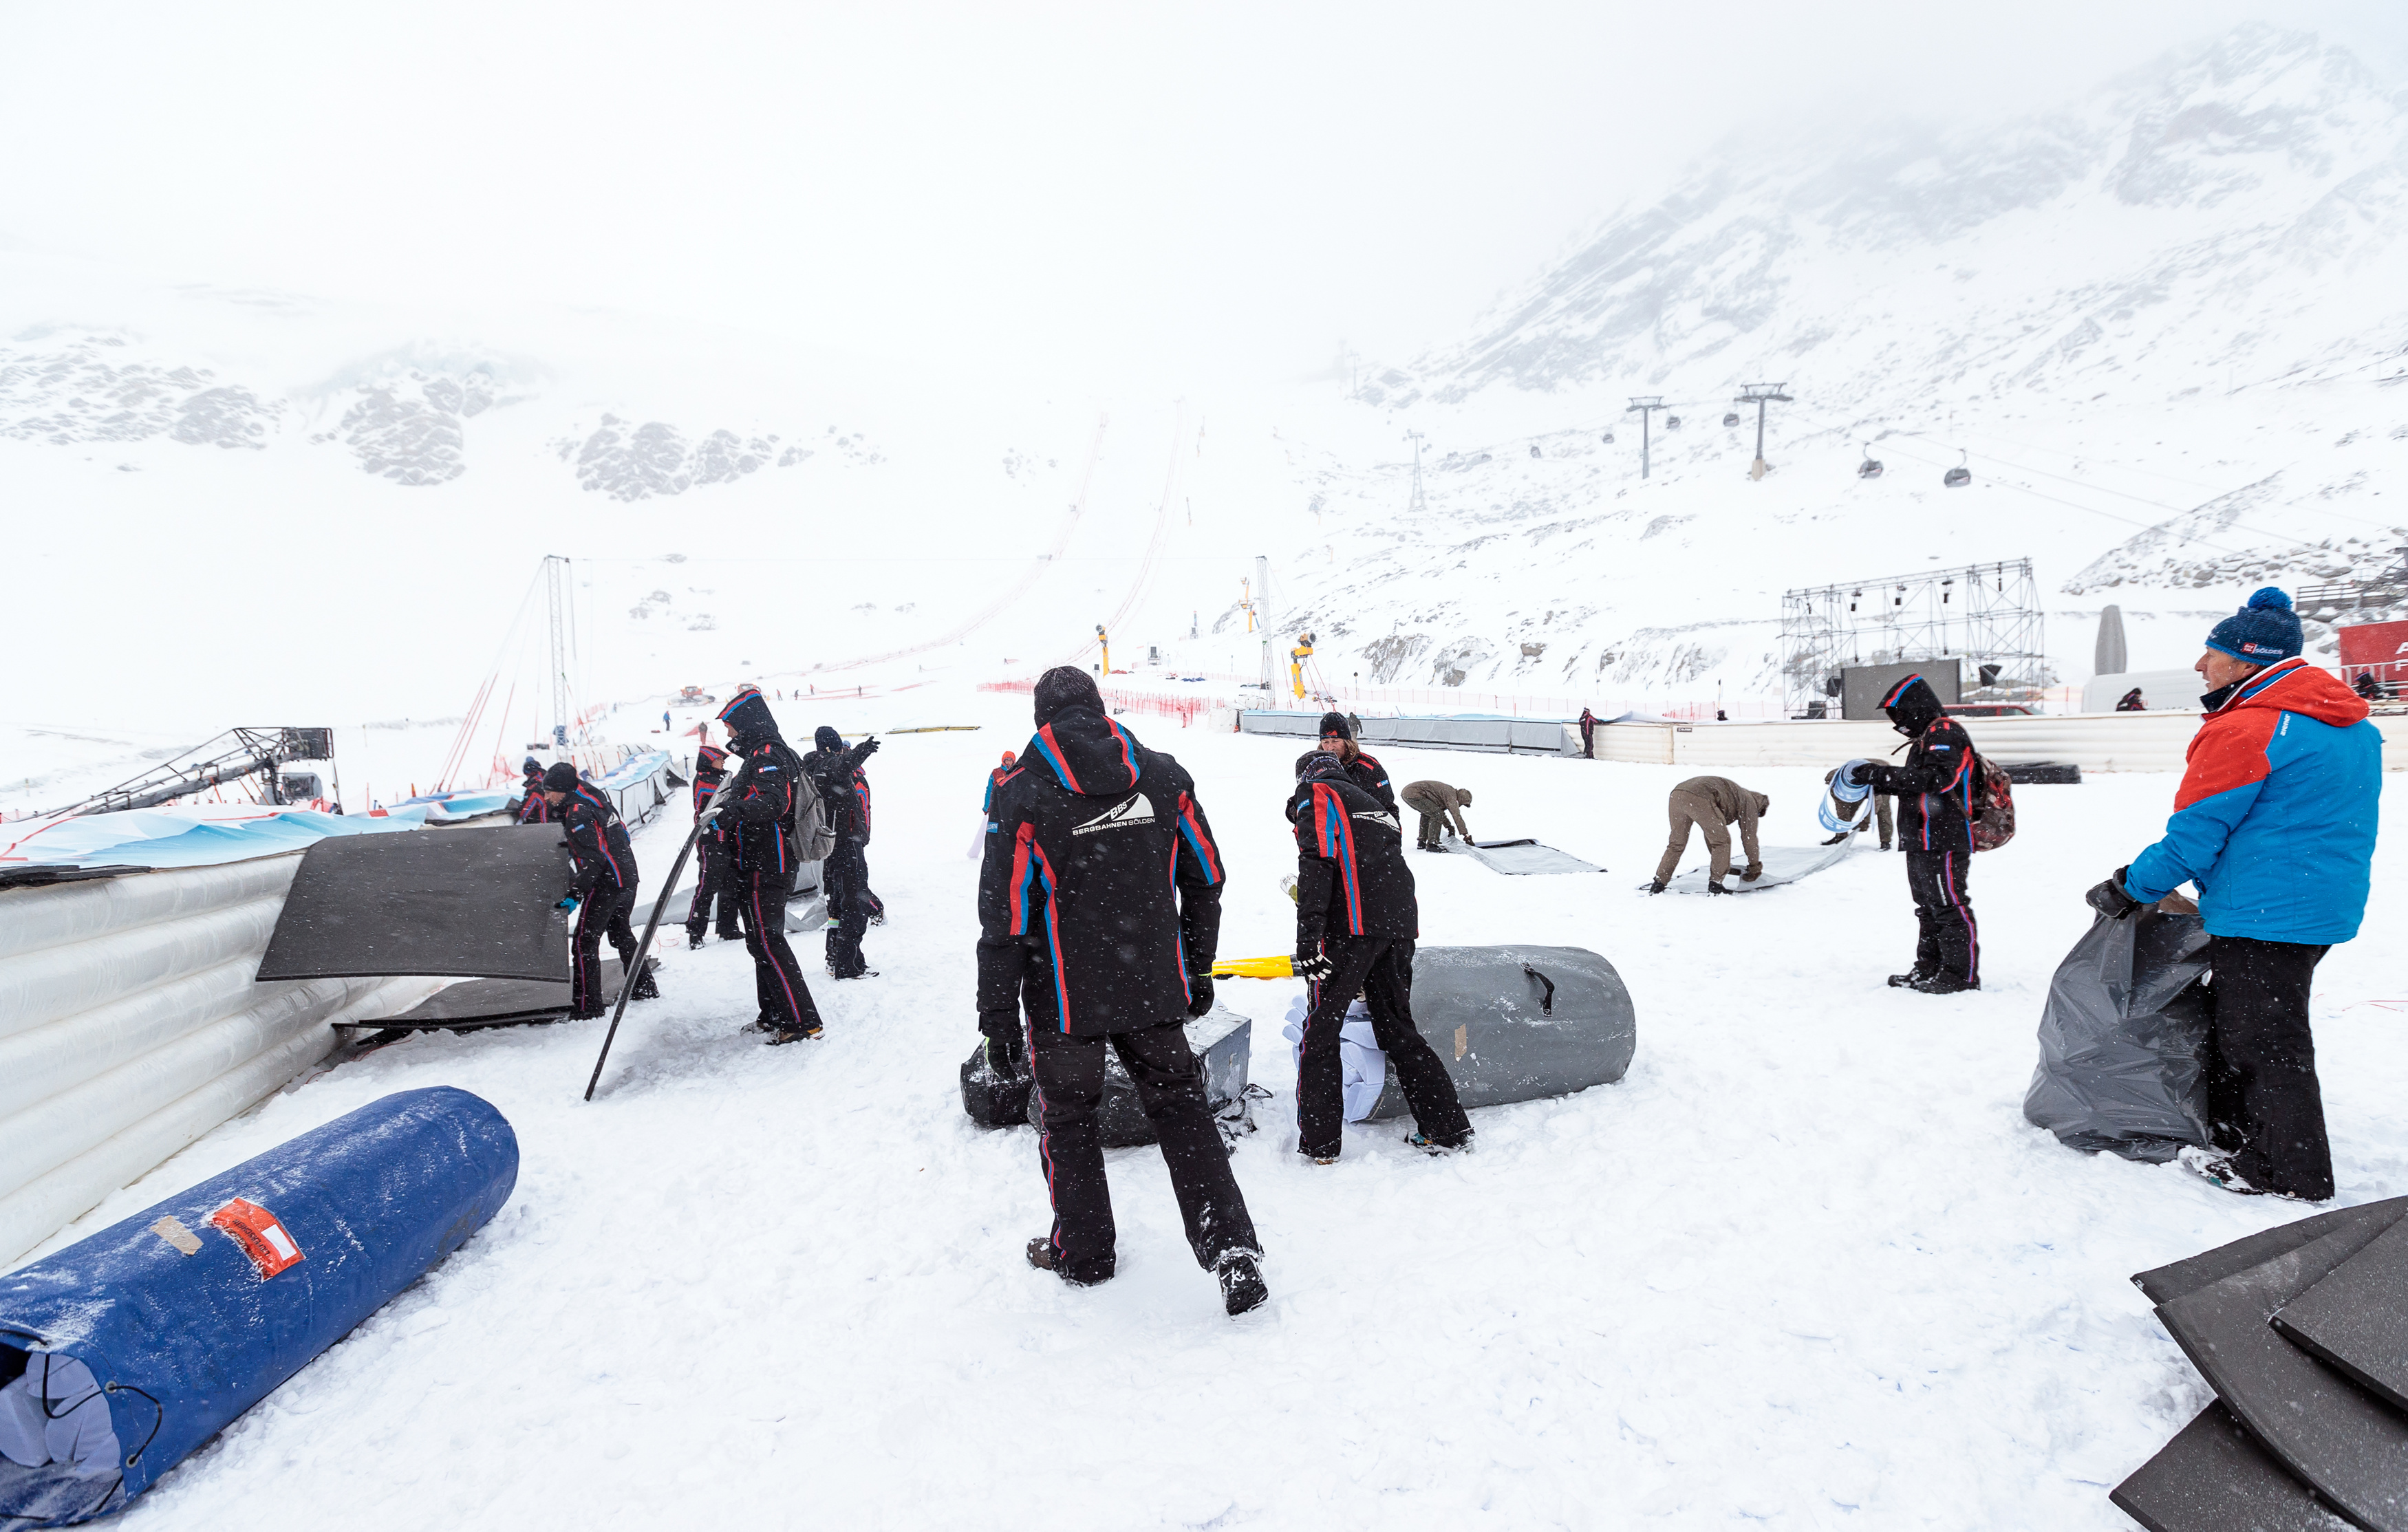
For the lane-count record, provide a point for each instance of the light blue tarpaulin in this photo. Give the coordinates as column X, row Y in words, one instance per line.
column 199, row 836
column 635, row 768
column 460, row 802
column 151, row 1337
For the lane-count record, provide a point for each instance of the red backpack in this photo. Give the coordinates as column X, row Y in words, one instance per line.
column 1994, row 821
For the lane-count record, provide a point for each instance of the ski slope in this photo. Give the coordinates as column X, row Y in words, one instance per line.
column 1805, row 1266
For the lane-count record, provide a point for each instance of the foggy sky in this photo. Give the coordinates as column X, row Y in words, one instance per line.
column 1120, row 194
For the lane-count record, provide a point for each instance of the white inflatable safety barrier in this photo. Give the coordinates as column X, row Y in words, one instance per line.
column 130, row 1025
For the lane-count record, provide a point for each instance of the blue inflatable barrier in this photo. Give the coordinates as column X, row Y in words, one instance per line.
column 123, row 1353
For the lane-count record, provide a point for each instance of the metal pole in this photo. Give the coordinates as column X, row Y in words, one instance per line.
column 1644, row 416
column 1263, row 617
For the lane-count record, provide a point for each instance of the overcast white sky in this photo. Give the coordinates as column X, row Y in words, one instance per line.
column 1127, row 191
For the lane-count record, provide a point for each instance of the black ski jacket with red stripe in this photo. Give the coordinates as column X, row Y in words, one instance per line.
column 1939, row 787
column 597, row 841
column 759, row 809
column 535, row 808
column 1099, row 862
column 1350, row 876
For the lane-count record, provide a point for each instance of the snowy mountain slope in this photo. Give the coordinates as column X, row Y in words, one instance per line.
column 2160, row 326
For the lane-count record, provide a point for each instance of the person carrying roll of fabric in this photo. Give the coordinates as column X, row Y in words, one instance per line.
column 1712, row 803
column 604, row 893
column 2275, row 823
column 1939, row 791
column 757, row 811
column 1338, row 739
column 1357, row 917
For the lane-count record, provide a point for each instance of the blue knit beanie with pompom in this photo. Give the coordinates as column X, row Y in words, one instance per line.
column 2265, row 632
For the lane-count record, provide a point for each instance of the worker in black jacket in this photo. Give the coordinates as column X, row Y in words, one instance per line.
column 716, row 882
column 845, row 879
column 534, row 807
column 1099, row 913
column 1356, row 918
column 604, row 893
column 1365, row 771
column 1939, row 791
column 757, row 812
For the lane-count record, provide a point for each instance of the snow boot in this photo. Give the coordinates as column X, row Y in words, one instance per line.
column 1716, row 888
column 1042, row 1255
column 778, row 1038
column 1907, row 980
column 1656, row 885
column 1941, row 983
column 2215, row 1164
column 646, row 988
column 693, row 941
column 1242, row 1283
column 1429, row 1145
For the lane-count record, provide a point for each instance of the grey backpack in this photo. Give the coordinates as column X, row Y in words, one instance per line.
column 815, row 839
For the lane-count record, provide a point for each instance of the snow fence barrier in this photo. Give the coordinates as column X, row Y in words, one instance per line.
column 132, row 1347
column 130, row 1025
column 2122, row 1039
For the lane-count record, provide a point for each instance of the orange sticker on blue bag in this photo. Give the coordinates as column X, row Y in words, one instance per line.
column 271, row 1249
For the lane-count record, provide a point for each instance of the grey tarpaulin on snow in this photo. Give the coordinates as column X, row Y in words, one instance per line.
column 2348, row 1444
column 2121, row 1038
column 476, row 902
column 2213, row 1477
column 1520, row 858
column 805, row 910
column 1515, row 1024
column 1223, row 1043
column 2356, row 1319
column 1781, row 865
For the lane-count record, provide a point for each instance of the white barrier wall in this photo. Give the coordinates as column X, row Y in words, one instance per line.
column 130, row 1025
column 2093, row 742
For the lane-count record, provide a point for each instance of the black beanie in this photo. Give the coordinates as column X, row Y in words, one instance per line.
column 1336, row 723
column 827, row 739
column 1064, row 687
column 562, row 777
column 531, row 766
column 1318, row 766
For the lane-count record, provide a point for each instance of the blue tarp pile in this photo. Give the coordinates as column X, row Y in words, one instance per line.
column 199, row 836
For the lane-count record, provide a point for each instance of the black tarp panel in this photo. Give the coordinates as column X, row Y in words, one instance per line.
column 1222, row 1039
column 2213, row 1477
column 2356, row 1319
column 2122, row 1039
column 2349, row 1445
column 475, row 902
column 2165, row 1283
column 1505, row 1037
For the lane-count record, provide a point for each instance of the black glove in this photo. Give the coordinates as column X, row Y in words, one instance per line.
column 1311, row 966
column 1656, row 885
column 1001, row 1030
column 870, row 747
column 1860, row 775
column 1199, row 994
column 2110, row 900
column 1003, row 1059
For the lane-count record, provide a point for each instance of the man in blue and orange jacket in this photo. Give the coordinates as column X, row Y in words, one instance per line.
column 2274, row 821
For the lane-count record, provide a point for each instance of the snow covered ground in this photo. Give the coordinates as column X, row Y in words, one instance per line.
column 1805, row 1266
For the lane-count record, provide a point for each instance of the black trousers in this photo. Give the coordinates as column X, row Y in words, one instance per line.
column 1949, row 941
column 1588, row 743
column 845, row 881
column 1070, row 1076
column 718, row 885
column 786, row 1004
column 1371, row 966
column 2263, row 1101
column 604, row 910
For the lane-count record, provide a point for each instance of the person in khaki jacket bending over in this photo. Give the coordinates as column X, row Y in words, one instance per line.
column 1714, row 804
column 1435, row 801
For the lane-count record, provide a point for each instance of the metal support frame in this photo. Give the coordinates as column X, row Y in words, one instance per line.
column 1760, row 394
column 555, row 573
column 1988, row 613
column 1646, row 405
column 229, row 757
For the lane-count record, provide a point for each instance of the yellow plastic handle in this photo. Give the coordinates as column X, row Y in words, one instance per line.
column 1281, row 966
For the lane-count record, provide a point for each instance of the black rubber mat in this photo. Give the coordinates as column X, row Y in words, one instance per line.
column 474, row 902
column 2213, row 1477
column 2356, row 1319
column 2349, row 1445
column 2165, row 1283
column 496, row 1002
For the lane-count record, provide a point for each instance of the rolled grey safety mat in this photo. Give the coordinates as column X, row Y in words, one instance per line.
column 1515, row 1024
column 1221, row 1040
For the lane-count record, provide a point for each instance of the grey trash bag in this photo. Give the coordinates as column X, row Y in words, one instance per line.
column 2122, row 1043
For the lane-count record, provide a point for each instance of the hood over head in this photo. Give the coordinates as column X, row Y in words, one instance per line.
column 748, row 718
column 1321, row 766
column 1912, row 706
column 710, row 757
column 1088, row 753
column 1064, row 686
column 1763, row 804
column 531, row 766
column 825, row 737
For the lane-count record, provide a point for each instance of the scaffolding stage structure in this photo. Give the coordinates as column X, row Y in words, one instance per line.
column 1988, row 614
